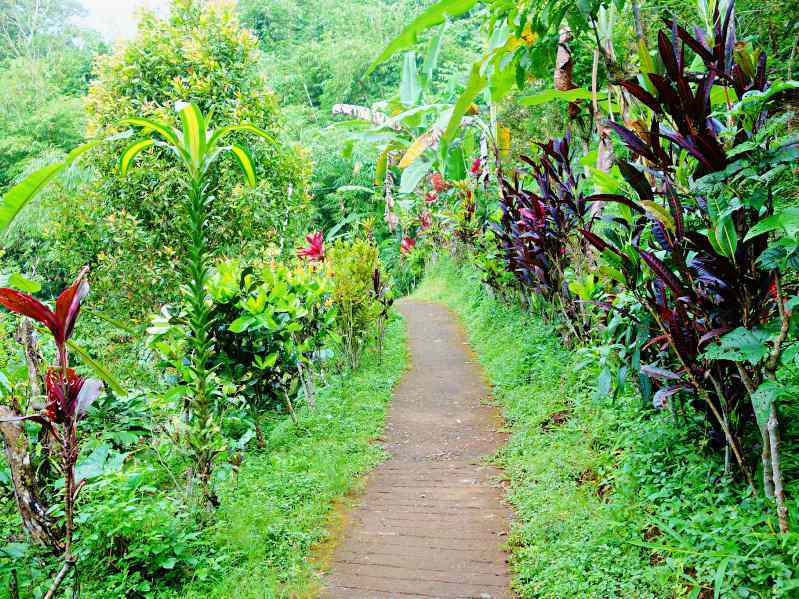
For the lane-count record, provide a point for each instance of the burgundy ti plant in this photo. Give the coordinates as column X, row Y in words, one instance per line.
column 688, row 249
column 69, row 397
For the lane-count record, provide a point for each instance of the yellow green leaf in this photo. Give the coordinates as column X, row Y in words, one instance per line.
column 134, row 150
column 245, row 162
column 660, row 213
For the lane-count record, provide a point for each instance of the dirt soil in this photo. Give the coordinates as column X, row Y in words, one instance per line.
column 431, row 522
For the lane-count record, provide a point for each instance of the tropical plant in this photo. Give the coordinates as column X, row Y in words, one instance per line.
column 200, row 53
column 351, row 265
column 698, row 261
column 196, row 148
column 68, row 398
column 270, row 326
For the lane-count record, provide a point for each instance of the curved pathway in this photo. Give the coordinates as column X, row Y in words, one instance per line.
column 431, row 522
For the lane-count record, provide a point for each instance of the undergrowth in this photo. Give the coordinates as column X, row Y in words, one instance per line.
column 279, row 507
column 610, row 501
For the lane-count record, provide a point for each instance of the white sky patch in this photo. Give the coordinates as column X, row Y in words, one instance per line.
column 116, row 19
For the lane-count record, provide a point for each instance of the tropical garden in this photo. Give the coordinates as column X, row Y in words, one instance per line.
column 206, row 228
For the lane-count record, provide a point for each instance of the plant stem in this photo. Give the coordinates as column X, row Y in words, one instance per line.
column 779, row 492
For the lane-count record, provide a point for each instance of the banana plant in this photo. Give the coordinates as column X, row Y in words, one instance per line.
column 196, row 148
column 410, row 132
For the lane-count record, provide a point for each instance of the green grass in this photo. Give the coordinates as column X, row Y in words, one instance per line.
column 617, row 501
column 566, row 542
column 280, row 507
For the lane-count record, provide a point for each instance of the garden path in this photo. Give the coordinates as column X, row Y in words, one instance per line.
column 431, row 522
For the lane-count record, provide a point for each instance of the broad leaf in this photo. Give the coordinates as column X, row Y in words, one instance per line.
column 435, row 15
column 412, row 175
column 740, row 345
column 410, row 88
column 551, row 95
column 475, row 85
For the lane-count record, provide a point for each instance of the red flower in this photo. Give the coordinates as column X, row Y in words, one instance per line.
column 67, row 307
column 431, row 197
column 70, row 396
column 407, row 245
column 439, row 184
column 477, row 166
column 425, row 220
column 315, row 252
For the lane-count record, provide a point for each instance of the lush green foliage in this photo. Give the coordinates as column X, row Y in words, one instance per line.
column 201, row 55
column 610, row 501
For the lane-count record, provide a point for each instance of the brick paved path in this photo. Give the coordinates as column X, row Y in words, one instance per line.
column 431, row 522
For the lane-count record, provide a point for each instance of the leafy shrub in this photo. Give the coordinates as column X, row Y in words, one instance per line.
column 270, row 324
column 352, row 265
column 199, row 54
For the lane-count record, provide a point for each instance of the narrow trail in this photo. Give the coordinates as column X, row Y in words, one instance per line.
column 431, row 522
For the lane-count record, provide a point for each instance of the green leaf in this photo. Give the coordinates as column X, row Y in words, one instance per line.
column 475, row 85
column 456, row 165
column 18, row 196
column 412, row 175
column 410, row 89
column 167, row 133
column 740, row 345
column 659, row 213
column 245, row 162
column 787, row 220
column 98, row 368
column 241, row 324
column 113, row 322
column 435, row 15
column 215, row 137
column 727, row 237
column 194, row 132
column 721, row 572
column 762, row 399
column 433, row 52
column 550, row 95
column 128, row 155
column 20, row 283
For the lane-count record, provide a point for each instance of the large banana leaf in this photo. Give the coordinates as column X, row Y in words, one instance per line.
column 435, row 15
column 18, row 196
column 476, row 84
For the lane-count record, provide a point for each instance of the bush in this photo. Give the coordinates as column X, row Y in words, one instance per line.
column 199, row 54
column 352, row 265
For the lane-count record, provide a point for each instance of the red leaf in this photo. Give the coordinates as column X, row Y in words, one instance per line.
column 27, row 305
column 662, row 272
column 67, row 306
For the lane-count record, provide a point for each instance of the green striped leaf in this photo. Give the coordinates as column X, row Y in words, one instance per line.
column 194, row 133
column 167, row 133
column 245, row 161
column 128, row 155
column 216, row 136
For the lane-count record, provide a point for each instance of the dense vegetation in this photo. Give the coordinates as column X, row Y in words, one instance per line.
column 204, row 231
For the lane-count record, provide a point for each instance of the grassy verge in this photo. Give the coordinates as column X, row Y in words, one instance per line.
column 612, row 500
column 280, row 506
column 565, row 543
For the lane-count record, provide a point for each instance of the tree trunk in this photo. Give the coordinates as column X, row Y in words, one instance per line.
column 776, row 469
column 564, row 68
column 31, row 510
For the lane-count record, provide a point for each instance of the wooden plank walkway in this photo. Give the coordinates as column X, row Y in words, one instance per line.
column 431, row 522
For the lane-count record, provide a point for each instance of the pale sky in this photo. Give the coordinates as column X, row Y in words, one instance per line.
column 116, row 19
